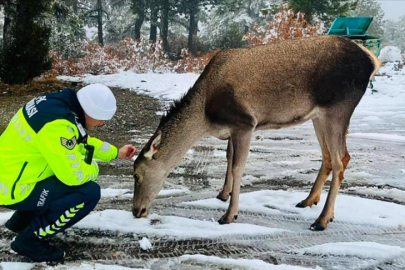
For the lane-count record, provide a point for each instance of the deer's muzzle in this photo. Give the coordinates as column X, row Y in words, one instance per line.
column 139, row 212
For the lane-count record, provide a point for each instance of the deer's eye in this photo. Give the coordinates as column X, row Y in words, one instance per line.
column 136, row 177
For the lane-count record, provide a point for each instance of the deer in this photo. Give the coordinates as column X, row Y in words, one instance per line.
column 273, row 86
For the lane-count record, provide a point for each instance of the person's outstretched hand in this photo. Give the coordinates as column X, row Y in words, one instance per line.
column 126, row 152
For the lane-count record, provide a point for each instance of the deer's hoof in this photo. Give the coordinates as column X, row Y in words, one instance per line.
column 221, row 198
column 317, row 227
column 301, row 204
column 223, row 220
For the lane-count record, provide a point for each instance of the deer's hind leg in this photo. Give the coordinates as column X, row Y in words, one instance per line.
column 227, row 189
column 326, row 167
column 335, row 123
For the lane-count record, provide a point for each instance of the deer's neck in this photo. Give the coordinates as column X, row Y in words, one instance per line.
column 181, row 132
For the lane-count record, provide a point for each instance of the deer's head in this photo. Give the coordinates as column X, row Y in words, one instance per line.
column 149, row 175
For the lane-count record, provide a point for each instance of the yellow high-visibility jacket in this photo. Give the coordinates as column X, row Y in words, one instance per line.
column 42, row 140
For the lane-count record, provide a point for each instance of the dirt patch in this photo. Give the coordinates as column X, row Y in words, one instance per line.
column 136, row 114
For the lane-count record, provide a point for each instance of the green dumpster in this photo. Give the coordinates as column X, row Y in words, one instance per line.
column 355, row 28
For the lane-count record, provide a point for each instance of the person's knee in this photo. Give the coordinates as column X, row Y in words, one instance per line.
column 93, row 191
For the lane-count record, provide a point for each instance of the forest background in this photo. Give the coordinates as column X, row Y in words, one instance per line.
column 47, row 38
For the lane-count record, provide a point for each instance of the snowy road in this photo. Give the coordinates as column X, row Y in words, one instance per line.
column 181, row 231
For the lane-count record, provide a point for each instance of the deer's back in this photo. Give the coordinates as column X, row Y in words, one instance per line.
column 284, row 81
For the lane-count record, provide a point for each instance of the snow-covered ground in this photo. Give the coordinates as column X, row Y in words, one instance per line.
column 376, row 142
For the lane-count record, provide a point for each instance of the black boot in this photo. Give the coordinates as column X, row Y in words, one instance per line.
column 28, row 244
column 19, row 221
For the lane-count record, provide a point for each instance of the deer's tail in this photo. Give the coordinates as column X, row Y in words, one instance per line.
column 376, row 61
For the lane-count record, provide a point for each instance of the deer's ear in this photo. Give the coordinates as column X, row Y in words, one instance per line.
column 154, row 146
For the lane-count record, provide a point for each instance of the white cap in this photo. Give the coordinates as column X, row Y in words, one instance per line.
column 97, row 101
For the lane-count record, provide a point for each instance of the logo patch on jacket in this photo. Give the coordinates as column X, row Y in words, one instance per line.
column 68, row 143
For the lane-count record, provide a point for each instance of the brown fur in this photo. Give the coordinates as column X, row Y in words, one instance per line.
column 266, row 87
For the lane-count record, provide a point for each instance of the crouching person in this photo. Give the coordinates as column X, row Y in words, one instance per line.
column 47, row 166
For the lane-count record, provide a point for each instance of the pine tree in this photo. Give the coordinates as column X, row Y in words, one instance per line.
column 191, row 9
column 232, row 18
column 324, row 10
column 25, row 53
column 121, row 21
column 94, row 13
column 67, row 27
column 139, row 8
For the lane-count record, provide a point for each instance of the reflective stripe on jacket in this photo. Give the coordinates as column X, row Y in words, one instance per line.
column 42, row 140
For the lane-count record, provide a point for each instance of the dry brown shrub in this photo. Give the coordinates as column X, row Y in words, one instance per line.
column 139, row 56
column 285, row 25
column 190, row 63
column 129, row 54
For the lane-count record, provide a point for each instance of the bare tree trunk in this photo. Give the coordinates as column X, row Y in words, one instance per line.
column 140, row 19
column 153, row 23
column 23, row 16
column 10, row 18
column 249, row 8
column 6, row 30
column 192, row 31
column 165, row 25
column 100, row 22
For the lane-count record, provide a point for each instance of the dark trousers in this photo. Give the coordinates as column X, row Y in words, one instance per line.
column 56, row 207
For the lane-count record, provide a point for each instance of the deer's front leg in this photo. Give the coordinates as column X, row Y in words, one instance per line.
column 227, row 189
column 241, row 145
